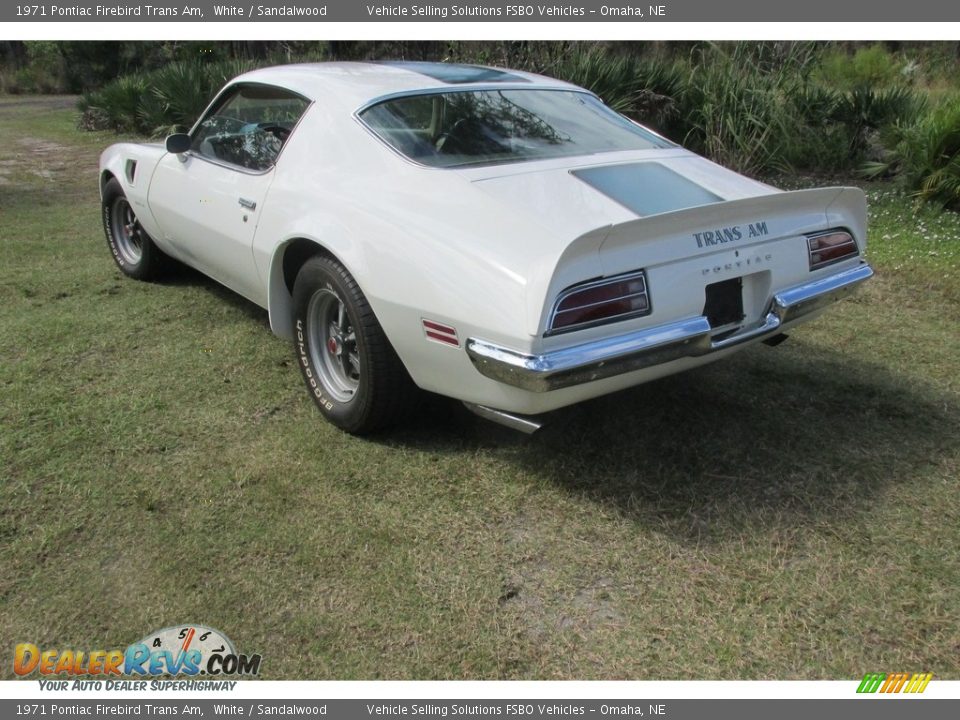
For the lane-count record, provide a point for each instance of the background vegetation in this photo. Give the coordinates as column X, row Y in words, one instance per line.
column 889, row 111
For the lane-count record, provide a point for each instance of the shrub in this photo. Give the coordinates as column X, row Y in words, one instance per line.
column 42, row 74
column 177, row 94
column 820, row 142
column 735, row 108
column 924, row 156
column 866, row 109
column 117, row 103
column 837, row 130
column 158, row 102
column 642, row 88
column 871, row 66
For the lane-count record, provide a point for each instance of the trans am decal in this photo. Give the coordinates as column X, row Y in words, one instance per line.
column 731, row 234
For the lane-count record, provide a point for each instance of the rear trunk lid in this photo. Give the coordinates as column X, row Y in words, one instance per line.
column 686, row 221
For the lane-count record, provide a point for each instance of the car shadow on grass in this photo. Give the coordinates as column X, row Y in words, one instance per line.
column 766, row 436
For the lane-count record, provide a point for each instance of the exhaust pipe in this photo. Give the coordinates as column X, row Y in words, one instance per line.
column 527, row 424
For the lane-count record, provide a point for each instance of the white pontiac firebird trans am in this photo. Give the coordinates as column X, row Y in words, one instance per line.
column 494, row 236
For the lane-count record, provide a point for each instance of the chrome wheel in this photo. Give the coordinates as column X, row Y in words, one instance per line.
column 349, row 367
column 126, row 230
column 333, row 345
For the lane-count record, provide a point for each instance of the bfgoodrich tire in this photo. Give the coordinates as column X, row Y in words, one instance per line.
column 133, row 250
column 350, row 369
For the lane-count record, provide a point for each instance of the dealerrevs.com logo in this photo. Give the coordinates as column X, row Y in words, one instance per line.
column 189, row 650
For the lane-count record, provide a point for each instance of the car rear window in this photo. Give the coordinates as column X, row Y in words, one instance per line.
column 469, row 127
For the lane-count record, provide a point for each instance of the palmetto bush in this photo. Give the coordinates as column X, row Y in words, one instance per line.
column 116, row 105
column 837, row 130
column 867, row 66
column 867, row 110
column 925, row 155
column 179, row 92
column 161, row 101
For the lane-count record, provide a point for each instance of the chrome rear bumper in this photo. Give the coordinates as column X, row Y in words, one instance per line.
column 653, row 346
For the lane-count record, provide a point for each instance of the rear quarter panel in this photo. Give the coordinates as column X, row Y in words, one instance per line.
column 422, row 243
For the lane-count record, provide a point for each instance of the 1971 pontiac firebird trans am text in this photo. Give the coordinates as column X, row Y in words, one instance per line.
column 495, row 236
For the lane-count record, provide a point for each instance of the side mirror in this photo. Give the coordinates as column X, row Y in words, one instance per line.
column 178, row 143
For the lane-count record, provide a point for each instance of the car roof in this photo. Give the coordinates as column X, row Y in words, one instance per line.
column 359, row 83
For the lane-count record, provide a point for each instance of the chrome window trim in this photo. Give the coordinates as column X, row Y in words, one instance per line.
column 231, row 166
column 451, row 89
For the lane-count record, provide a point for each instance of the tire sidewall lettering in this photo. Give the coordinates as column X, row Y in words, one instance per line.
column 111, row 241
column 306, row 365
column 126, row 267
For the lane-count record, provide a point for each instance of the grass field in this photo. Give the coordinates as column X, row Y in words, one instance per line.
column 787, row 513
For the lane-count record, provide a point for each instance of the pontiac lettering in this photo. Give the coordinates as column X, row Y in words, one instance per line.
column 730, row 234
column 742, row 264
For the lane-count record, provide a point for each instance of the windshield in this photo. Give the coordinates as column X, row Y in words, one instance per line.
column 495, row 126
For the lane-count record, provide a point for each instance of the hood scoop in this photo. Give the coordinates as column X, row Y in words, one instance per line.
column 646, row 188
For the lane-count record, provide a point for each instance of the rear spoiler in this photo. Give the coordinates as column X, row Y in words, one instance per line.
column 755, row 219
column 670, row 236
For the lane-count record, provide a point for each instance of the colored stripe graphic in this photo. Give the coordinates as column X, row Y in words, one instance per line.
column 897, row 682
column 894, row 682
column 919, row 682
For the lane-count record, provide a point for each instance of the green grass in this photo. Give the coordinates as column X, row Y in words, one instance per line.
column 787, row 513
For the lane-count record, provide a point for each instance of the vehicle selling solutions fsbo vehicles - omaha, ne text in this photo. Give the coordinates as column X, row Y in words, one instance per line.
column 490, row 235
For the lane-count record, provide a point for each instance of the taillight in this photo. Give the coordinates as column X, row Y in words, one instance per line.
column 600, row 301
column 830, row 247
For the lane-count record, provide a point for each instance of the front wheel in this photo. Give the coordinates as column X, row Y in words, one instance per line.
column 348, row 365
column 132, row 248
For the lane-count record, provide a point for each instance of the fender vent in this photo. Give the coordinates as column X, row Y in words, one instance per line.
column 130, row 170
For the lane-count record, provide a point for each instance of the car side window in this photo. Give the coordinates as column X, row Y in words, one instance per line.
column 249, row 126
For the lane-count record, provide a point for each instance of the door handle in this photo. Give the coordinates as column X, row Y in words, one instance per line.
column 249, row 204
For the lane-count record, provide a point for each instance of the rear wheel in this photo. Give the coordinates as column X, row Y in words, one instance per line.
column 348, row 365
column 132, row 248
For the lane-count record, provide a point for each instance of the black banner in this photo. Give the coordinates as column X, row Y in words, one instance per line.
column 480, row 11
column 873, row 708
